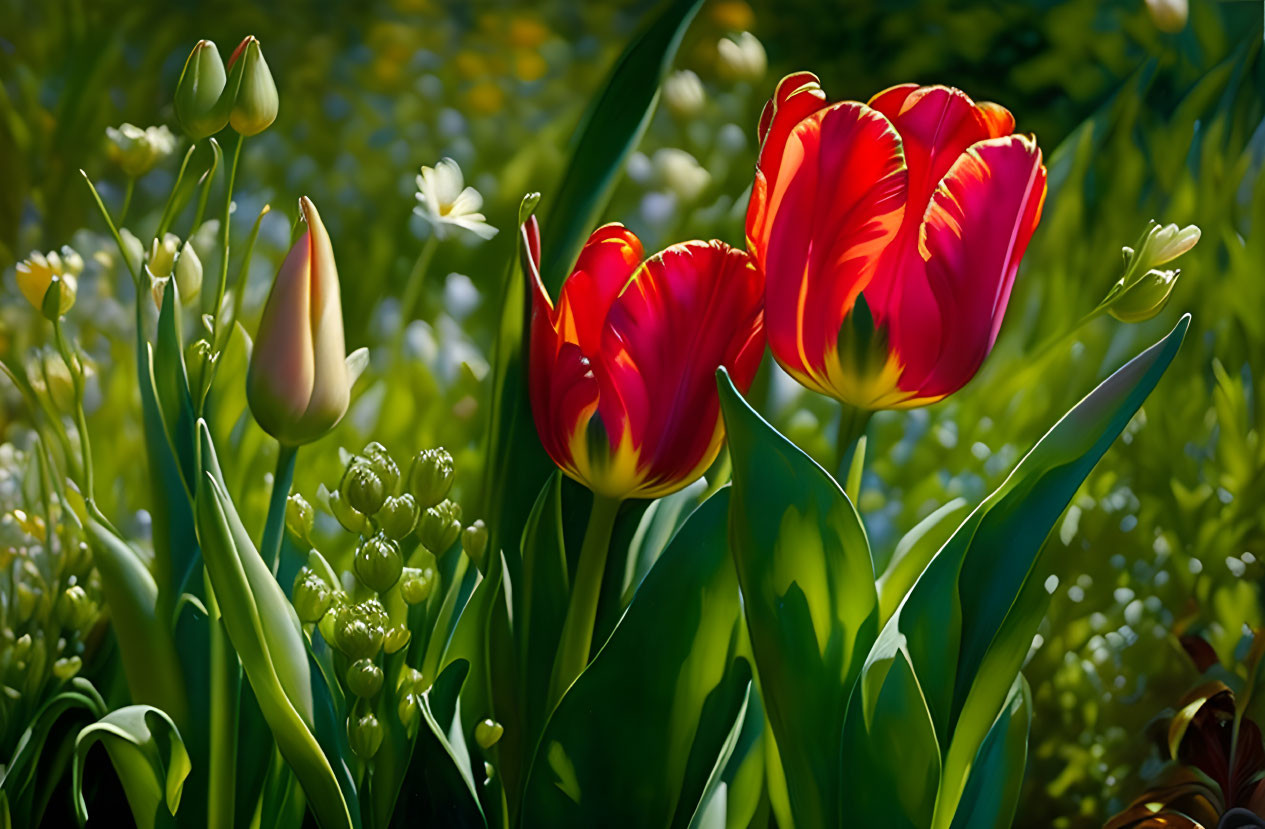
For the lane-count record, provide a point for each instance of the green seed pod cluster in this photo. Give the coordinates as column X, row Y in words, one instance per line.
column 364, row 735
column 300, row 517
column 362, row 489
column 360, row 628
column 311, row 596
column 474, row 541
column 417, row 583
column 398, row 515
column 364, row 678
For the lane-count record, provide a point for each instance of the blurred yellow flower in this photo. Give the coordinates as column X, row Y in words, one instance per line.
column 444, row 201
column 36, row 274
column 734, row 15
column 529, row 66
column 527, row 33
column 485, row 97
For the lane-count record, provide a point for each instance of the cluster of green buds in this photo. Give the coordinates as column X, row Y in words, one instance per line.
column 210, row 95
column 49, row 597
column 1144, row 289
column 403, row 523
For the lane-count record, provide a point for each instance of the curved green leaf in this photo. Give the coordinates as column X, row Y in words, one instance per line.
column 992, row 790
column 808, row 592
column 649, row 759
column 149, row 757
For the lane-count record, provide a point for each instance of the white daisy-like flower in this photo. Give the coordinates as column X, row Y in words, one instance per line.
column 444, row 201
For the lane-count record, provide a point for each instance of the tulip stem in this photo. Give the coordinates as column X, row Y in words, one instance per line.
column 75, row 367
column 127, row 198
column 275, row 524
column 222, row 285
column 577, row 631
column 852, row 425
column 225, row 703
column 413, row 287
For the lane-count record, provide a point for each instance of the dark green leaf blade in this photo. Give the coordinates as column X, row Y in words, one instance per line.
column 808, row 592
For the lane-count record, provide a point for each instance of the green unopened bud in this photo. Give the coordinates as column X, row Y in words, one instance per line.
column 200, row 104
column 439, row 527
column 360, row 628
column 364, row 678
column 353, row 520
column 28, row 597
column 1145, row 298
column 328, row 625
column 311, row 596
column 75, row 610
column 300, row 517
column 379, row 563
column 383, row 465
column 474, row 541
column 407, row 710
column 364, row 734
column 188, row 272
column 430, row 478
column 137, row 150
column 398, row 515
column 362, row 488
column 396, row 638
column 162, row 255
column 255, row 100
column 488, row 733
column 417, row 584
column 67, row 667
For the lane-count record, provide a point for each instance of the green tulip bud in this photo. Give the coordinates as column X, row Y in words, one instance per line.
column 300, row 517
column 378, row 563
column 383, row 465
column 487, row 733
column 1145, row 298
column 188, row 271
column 202, row 108
column 311, row 596
column 398, row 515
column 440, row 525
column 417, row 584
column 353, row 520
column 299, row 381
column 364, row 678
column 255, row 100
column 362, row 488
column 359, row 630
column 396, row 638
column 430, row 478
column 474, row 541
column 364, row 734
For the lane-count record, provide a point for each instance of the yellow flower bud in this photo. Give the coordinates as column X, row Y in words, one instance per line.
column 37, row 274
column 162, row 255
column 255, row 99
column 201, row 106
column 299, row 384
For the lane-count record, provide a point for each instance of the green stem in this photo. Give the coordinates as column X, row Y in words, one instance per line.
column 852, row 424
column 225, row 697
column 222, row 285
column 164, row 221
column 275, row 525
column 413, row 287
column 127, row 199
column 81, row 421
column 114, row 231
column 577, row 631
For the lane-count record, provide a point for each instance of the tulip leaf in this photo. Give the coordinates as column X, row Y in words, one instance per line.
column 671, row 672
column 608, row 133
column 808, row 592
column 912, row 553
column 968, row 621
column 992, row 790
column 265, row 632
column 149, row 756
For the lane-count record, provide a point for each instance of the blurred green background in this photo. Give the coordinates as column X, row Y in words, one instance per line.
column 1135, row 123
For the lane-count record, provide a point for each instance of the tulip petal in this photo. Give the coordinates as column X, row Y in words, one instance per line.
column 605, row 265
column 331, row 391
column 690, row 309
column 937, row 125
column 976, row 229
column 837, row 205
column 285, row 336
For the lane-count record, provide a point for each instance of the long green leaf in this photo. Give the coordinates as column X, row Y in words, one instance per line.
column 610, row 130
column 992, row 790
column 808, row 592
column 656, row 675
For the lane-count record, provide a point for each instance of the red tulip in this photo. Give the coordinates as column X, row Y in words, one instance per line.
column 622, row 373
column 922, row 202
